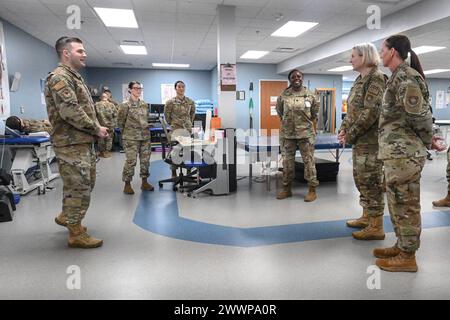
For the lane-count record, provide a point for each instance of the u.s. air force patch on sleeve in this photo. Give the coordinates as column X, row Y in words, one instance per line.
column 413, row 100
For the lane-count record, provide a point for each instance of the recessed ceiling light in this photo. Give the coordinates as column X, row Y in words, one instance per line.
column 133, row 49
column 254, row 54
column 120, row 18
column 341, row 69
column 171, row 65
column 293, row 29
column 433, row 71
column 426, row 49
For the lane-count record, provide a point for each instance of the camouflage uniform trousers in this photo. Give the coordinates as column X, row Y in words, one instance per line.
column 368, row 176
column 133, row 148
column 307, row 152
column 106, row 144
column 403, row 194
column 77, row 168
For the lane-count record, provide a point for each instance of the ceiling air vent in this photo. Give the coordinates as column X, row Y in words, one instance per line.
column 122, row 64
column 285, row 50
column 132, row 43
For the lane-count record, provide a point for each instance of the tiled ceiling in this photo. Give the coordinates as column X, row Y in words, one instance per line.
column 185, row 31
column 435, row 33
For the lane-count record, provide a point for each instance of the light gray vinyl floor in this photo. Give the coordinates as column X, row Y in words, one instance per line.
column 35, row 262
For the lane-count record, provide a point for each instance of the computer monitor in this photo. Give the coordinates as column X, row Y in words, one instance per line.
column 156, row 108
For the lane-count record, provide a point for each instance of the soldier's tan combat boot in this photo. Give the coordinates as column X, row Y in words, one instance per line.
column 374, row 231
column 311, row 196
column 80, row 239
column 284, row 193
column 384, row 253
column 146, row 186
column 128, row 189
column 361, row 222
column 443, row 202
column 101, row 154
column 403, row 262
column 107, row 154
column 61, row 220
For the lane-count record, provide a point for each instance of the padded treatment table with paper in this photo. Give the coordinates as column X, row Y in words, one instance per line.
column 30, row 151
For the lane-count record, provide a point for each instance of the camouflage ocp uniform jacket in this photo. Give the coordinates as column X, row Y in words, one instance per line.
column 133, row 120
column 106, row 113
column 298, row 111
column 30, row 126
column 70, row 108
column 180, row 113
column 405, row 121
column 364, row 107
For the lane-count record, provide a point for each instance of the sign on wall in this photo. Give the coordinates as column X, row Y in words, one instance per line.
column 228, row 77
column 440, row 99
column 4, row 81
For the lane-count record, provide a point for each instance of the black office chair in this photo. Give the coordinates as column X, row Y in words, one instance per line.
column 181, row 178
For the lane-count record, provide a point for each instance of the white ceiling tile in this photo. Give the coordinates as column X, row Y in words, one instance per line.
column 197, row 8
column 119, row 4
column 154, row 5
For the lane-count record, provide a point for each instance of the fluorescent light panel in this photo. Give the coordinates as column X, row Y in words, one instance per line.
column 120, row 18
column 171, row 65
column 426, row 49
column 433, row 71
column 341, row 69
column 254, row 54
column 293, row 29
column 133, row 49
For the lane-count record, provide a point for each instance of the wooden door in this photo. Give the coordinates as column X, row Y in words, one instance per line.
column 270, row 90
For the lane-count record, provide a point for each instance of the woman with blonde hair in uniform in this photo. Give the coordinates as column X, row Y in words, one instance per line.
column 360, row 129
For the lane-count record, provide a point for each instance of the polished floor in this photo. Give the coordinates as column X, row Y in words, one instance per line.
column 247, row 245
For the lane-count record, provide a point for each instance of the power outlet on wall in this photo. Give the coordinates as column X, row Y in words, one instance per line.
column 22, row 109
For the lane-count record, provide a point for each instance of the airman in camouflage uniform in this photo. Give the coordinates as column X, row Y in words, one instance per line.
column 179, row 113
column 30, row 126
column 107, row 117
column 360, row 127
column 298, row 108
column 71, row 112
column 405, row 134
column 133, row 124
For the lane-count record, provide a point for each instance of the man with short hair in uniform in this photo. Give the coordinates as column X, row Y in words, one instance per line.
column 71, row 112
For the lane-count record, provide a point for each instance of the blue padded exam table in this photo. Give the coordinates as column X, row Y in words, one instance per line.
column 30, row 151
column 266, row 146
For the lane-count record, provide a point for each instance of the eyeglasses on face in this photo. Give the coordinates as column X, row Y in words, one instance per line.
column 137, row 88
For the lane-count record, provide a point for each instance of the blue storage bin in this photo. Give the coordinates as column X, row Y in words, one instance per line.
column 16, row 198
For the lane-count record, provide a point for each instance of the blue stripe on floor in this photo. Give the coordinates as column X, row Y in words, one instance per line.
column 158, row 212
